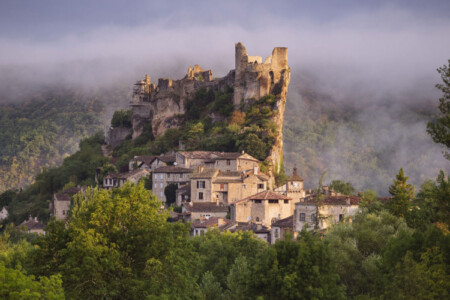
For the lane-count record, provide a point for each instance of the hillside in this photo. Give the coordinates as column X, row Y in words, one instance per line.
column 40, row 131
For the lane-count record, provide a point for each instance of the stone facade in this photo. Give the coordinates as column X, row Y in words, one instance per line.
column 213, row 185
column 165, row 175
column 113, row 180
column 224, row 161
column 262, row 208
column 335, row 209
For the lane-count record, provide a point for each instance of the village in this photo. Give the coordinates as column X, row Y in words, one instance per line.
column 227, row 191
column 213, row 189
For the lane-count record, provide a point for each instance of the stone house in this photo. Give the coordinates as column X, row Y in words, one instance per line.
column 224, row 161
column 61, row 203
column 141, row 162
column 202, row 226
column 212, row 185
column 4, row 213
column 165, row 175
column 258, row 230
column 281, row 228
column 293, row 188
column 334, row 209
column 33, row 226
column 262, row 208
column 195, row 211
column 113, row 180
column 184, row 194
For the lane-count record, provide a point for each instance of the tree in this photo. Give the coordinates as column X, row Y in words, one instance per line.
column 171, row 193
column 121, row 118
column 345, row 188
column 300, row 269
column 402, row 193
column 118, row 244
column 439, row 129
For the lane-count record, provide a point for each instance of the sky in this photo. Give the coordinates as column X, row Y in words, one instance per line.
column 368, row 54
column 388, row 45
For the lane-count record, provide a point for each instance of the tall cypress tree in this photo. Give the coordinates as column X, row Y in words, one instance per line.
column 402, row 193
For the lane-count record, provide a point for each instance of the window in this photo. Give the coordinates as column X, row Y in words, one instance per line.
column 257, row 219
column 273, row 201
column 341, row 217
column 161, row 185
column 260, row 185
column 222, row 187
column 277, row 234
column 162, row 195
column 64, row 212
column 156, row 185
column 181, row 175
column 200, row 184
column 286, row 201
column 258, row 201
column 156, row 176
column 244, row 186
column 313, row 217
column 200, row 196
column 295, row 184
column 228, row 162
column 302, row 217
column 168, row 175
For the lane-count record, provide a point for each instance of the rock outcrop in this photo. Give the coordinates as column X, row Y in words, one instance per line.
column 163, row 105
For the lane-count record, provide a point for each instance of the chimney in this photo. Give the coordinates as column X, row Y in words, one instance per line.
column 255, row 170
column 347, row 201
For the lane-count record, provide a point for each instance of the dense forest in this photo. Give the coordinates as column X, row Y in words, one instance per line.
column 118, row 245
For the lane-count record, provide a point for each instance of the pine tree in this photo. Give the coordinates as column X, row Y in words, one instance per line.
column 402, row 193
column 440, row 128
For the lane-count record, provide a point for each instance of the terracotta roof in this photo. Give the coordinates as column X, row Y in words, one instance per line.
column 167, row 158
column 294, row 176
column 71, row 191
column 268, row 195
column 215, row 155
column 213, row 221
column 245, row 226
column 286, row 222
column 147, row 159
column 172, row 169
column 207, row 173
column 334, row 200
column 184, row 189
column 62, row 197
column 126, row 174
column 32, row 224
column 205, row 207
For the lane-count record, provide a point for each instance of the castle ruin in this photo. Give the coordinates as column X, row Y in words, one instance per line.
column 162, row 105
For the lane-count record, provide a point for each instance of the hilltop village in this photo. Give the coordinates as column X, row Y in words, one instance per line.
column 215, row 189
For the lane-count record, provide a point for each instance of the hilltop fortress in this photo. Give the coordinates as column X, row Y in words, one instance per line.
column 163, row 105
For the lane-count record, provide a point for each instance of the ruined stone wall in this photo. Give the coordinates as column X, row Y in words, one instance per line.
column 163, row 105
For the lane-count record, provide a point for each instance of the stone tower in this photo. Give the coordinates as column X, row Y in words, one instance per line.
column 256, row 79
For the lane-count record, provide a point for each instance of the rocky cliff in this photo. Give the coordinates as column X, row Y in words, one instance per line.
column 163, row 105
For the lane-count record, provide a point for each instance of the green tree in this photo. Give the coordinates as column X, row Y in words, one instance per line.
column 239, row 280
column 210, row 287
column 402, row 194
column 345, row 188
column 171, row 193
column 121, row 118
column 300, row 269
column 16, row 285
column 439, row 129
column 118, row 245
